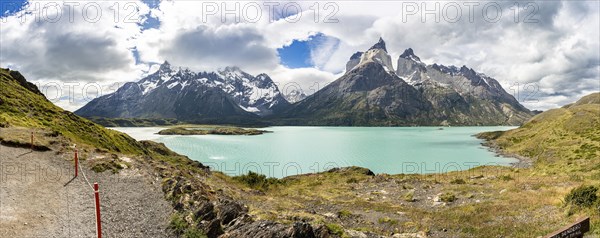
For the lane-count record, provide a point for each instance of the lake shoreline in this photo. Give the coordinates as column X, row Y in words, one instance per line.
column 489, row 142
column 295, row 151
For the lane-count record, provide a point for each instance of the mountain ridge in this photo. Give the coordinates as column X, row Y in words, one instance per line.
column 370, row 93
column 170, row 92
column 443, row 95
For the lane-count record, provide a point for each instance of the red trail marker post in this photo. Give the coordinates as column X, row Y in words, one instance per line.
column 98, row 223
column 76, row 164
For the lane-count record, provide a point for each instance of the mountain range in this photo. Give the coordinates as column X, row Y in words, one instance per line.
column 229, row 95
column 370, row 93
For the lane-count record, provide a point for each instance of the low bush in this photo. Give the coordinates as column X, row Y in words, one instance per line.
column 583, row 196
column 447, row 197
column 257, row 181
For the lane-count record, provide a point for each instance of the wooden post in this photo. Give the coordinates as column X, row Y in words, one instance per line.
column 32, row 141
column 98, row 223
column 76, row 164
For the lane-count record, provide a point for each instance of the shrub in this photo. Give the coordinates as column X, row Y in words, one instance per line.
column 384, row 220
column 344, row 213
column 257, row 181
column 194, row 233
column 335, row 229
column 409, row 197
column 178, row 224
column 506, row 178
column 111, row 165
column 458, row 181
column 583, row 196
column 447, row 197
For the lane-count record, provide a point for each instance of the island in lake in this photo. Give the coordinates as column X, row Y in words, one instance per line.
column 211, row 130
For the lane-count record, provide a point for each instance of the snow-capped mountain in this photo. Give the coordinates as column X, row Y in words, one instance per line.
column 168, row 91
column 295, row 95
column 371, row 92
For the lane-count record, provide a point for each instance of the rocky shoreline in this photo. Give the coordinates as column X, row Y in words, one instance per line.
column 491, row 145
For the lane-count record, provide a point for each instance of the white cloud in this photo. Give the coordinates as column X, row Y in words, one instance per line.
column 559, row 54
column 208, row 48
column 307, row 80
column 322, row 49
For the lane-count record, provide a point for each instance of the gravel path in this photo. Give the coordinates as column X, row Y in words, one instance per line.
column 38, row 199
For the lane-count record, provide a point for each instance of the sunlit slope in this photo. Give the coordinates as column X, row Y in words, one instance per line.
column 567, row 135
column 23, row 105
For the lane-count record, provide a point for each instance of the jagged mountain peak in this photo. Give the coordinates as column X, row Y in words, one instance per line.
column 356, row 55
column 410, row 54
column 377, row 53
column 165, row 66
column 233, row 72
column 410, row 66
column 184, row 93
column 231, row 69
column 379, row 45
column 466, row 70
column 354, row 60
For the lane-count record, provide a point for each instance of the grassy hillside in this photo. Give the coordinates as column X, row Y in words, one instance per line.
column 480, row 202
column 558, row 137
column 564, row 144
column 188, row 185
column 22, row 105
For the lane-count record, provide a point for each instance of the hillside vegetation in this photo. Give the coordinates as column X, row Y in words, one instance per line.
column 487, row 201
column 563, row 143
column 23, row 105
column 564, row 136
column 202, row 200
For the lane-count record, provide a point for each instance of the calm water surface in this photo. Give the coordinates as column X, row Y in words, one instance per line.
column 297, row 150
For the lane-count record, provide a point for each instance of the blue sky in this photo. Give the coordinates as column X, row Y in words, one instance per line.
column 298, row 54
column 149, row 21
column 9, row 7
column 295, row 55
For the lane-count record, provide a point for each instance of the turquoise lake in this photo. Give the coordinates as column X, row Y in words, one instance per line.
column 299, row 150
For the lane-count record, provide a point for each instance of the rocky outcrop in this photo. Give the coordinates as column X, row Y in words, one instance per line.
column 26, row 84
column 354, row 60
column 218, row 215
column 276, row 230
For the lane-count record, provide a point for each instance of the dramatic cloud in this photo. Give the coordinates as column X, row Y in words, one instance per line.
column 545, row 53
column 206, row 48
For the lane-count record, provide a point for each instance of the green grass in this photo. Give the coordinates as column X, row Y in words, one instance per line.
column 562, row 136
column 21, row 107
column 563, row 143
column 583, row 196
column 387, row 220
column 344, row 214
column 257, row 181
column 335, row 229
column 448, row 197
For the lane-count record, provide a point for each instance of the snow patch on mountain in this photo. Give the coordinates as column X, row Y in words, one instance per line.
column 256, row 94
